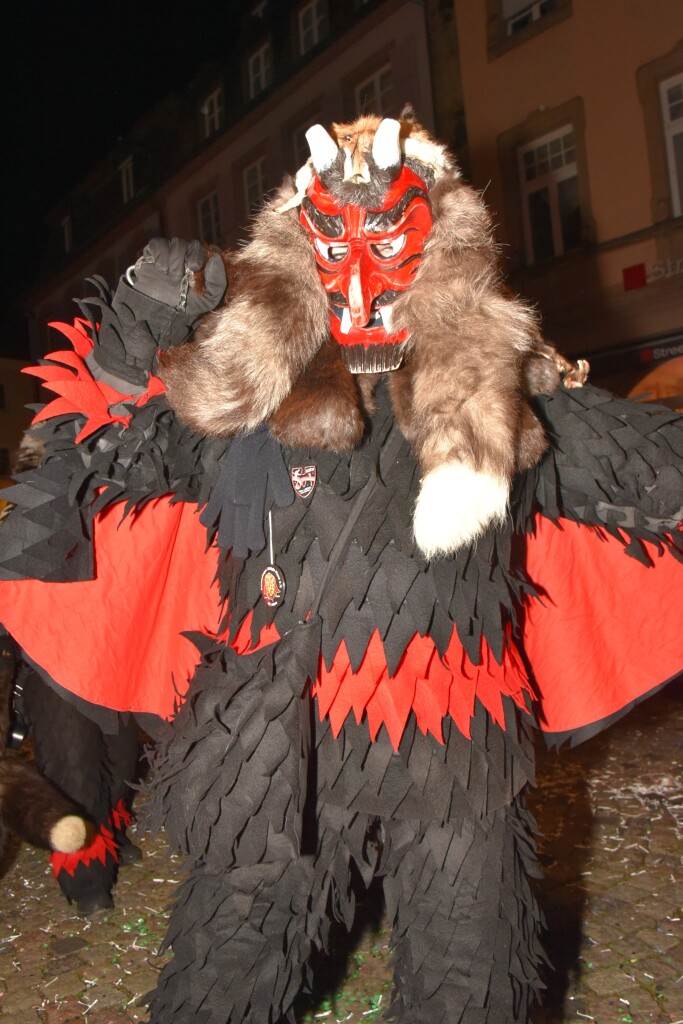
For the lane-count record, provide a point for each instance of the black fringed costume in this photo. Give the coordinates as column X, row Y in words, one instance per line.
column 89, row 766
column 95, row 766
column 380, row 714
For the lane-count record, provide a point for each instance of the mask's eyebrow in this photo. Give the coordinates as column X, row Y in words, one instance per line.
column 330, row 225
column 380, row 220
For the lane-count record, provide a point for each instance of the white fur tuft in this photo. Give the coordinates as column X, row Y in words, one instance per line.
column 455, row 505
column 69, row 834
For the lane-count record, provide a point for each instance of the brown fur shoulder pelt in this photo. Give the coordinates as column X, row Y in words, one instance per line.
column 476, row 352
column 324, row 408
column 469, row 342
column 245, row 356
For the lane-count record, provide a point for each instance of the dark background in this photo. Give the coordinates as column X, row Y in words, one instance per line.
column 75, row 76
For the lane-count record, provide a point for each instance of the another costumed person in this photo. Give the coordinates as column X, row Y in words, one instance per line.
column 346, row 546
column 31, row 809
column 79, row 762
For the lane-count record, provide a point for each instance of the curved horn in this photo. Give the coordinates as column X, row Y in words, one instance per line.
column 386, row 149
column 323, row 148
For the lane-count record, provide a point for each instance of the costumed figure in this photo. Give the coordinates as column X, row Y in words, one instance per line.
column 353, row 541
column 74, row 796
column 31, row 809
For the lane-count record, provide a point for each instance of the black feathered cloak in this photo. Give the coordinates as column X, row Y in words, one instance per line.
column 131, row 575
column 125, row 543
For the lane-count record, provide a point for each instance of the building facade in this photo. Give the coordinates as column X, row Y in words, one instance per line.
column 201, row 162
column 574, row 114
column 567, row 114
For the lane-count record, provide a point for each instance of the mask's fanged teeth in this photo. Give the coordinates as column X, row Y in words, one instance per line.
column 345, row 323
column 387, row 317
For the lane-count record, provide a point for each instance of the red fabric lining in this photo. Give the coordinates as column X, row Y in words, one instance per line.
column 423, row 683
column 116, row 640
column 608, row 630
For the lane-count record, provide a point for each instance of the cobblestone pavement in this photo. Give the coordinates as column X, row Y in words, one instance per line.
column 611, row 814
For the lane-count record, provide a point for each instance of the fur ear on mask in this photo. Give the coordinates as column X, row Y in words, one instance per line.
column 245, row 356
column 465, row 400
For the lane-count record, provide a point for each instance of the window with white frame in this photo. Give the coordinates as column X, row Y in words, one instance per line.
column 373, row 96
column 126, row 173
column 255, row 184
column 212, row 112
column 550, row 195
column 68, row 233
column 312, row 25
column 208, row 217
column 671, row 93
column 520, row 13
column 260, row 70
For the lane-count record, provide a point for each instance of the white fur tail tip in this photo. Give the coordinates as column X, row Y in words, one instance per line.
column 69, row 834
column 455, row 505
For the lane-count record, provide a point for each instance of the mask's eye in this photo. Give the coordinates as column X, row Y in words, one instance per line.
column 332, row 253
column 392, row 247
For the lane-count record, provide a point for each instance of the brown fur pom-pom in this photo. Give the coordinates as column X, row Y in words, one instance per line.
column 32, row 809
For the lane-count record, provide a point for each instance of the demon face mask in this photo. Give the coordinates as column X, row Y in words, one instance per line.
column 367, row 251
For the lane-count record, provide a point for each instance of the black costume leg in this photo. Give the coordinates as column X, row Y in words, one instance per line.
column 465, row 921
column 121, row 752
column 239, row 945
column 92, row 770
column 242, row 938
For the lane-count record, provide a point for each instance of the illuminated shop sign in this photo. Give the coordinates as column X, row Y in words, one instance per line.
column 638, row 353
column 640, row 274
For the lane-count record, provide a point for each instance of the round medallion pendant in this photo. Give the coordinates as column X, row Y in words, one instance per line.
column 272, row 586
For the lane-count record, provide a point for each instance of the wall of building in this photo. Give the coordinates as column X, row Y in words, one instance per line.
column 393, row 33
column 596, row 65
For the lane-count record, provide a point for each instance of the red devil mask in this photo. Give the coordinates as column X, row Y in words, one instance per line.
column 366, row 258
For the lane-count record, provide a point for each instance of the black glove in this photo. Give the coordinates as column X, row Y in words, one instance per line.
column 252, row 477
column 166, row 273
column 155, row 306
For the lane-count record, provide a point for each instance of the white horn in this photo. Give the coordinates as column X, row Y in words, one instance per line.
column 323, row 148
column 386, row 149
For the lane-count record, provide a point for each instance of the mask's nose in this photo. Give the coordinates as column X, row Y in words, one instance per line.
column 360, row 293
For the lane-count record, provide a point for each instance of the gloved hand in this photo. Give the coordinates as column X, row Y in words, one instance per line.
column 169, row 272
column 252, row 477
column 155, row 306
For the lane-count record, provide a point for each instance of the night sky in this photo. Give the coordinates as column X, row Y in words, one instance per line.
column 76, row 76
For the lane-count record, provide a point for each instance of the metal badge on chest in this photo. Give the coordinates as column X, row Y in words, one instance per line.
column 303, row 480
